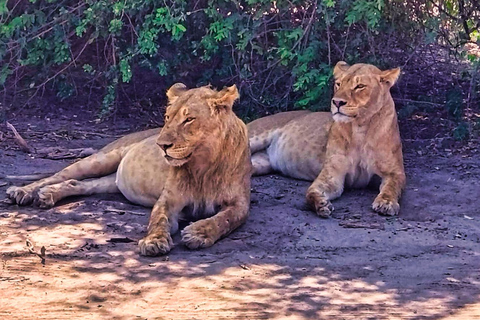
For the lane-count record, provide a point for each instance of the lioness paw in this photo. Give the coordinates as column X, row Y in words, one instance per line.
column 20, row 195
column 323, row 207
column 385, row 206
column 45, row 197
column 200, row 234
column 154, row 245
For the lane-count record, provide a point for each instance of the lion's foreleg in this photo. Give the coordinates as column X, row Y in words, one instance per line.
column 163, row 221
column 390, row 190
column 204, row 233
column 327, row 186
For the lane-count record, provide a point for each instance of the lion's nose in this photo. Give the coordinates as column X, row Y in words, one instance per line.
column 164, row 146
column 339, row 102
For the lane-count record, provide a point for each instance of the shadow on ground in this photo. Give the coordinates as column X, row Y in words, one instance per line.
column 284, row 263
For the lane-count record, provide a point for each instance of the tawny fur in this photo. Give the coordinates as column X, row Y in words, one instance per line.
column 204, row 172
column 338, row 149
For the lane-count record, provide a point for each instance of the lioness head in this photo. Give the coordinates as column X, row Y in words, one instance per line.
column 194, row 120
column 360, row 90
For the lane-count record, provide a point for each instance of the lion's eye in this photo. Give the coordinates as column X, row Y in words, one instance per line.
column 167, row 118
column 360, row 86
column 188, row 120
column 337, row 84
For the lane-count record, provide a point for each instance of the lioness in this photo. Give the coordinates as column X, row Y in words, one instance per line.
column 347, row 147
column 198, row 166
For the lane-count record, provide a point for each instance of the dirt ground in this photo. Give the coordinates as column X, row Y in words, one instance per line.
column 284, row 263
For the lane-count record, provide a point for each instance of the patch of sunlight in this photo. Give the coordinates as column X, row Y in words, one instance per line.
column 271, row 290
column 469, row 311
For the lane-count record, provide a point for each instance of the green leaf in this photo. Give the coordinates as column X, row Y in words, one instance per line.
column 125, row 70
column 115, row 25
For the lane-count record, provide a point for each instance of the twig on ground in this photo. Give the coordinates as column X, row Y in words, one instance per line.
column 363, row 225
column 415, row 101
column 31, row 249
column 56, row 153
column 28, row 177
column 122, row 211
column 21, row 142
column 103, row 135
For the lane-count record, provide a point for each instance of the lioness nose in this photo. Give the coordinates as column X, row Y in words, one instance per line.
column 164, row 146
column 339, row 102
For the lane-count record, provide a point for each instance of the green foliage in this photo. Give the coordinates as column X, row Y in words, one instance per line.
column 369, row 11
column 64, row 89
column 280, row 53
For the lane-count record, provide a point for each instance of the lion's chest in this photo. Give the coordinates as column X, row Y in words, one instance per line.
column 361, row 169
column 200, row 209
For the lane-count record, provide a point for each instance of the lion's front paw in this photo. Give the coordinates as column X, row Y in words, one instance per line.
column 20, row 195
column 385, row 206
column 156, row 244
column 46, row 197
column 201, row 234
column 323, row 207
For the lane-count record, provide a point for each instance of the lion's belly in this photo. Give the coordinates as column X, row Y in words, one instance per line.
column 298, row 150
column 142, row 173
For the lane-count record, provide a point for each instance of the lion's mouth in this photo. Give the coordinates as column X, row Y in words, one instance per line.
column 343, row 114
column 178, row 161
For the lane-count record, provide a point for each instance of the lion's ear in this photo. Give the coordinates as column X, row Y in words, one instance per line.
column 340, row 68
column 224, row 99
column 175, row 91
column 390, row 76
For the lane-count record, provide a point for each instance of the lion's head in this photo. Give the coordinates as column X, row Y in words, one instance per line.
column 360, row 90
column 194, row 121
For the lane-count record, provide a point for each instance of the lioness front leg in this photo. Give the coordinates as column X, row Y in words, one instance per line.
column 96, row 165
column 163, row 222
column 327, row 186
column 204, row 233
column 390, row 190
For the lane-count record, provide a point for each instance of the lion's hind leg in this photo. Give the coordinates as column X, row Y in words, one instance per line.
column 97, row 165
column 48, row 195
column 261, row 164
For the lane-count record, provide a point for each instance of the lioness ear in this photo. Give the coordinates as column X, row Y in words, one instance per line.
column 390, row 76
column 224, row 99
column 340, row 68
column 175, row 91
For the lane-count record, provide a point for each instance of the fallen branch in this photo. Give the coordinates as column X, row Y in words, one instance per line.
column 422, row 102
column 362, row 225
column 27, row 177
column 103, row 135
column 21, row 142
column 31, row 249
column 121, row 211
column 120, row 240
column 56, row 153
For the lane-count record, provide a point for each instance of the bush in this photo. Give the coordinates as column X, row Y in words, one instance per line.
column 280, row 53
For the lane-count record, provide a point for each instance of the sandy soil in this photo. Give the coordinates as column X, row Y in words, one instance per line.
column 284, row 263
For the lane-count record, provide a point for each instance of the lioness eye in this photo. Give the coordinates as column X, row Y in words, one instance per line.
column 188, row 120
column 359, row 86
column 166, row 118
column 337, row 84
